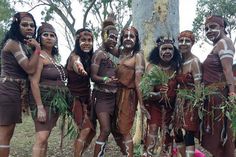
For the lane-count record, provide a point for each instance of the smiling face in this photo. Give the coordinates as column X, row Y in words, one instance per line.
column 27, row 27
column 86, row 42
column 213, row 31
column 185, row 44
column 166, row 52
column 129, row 39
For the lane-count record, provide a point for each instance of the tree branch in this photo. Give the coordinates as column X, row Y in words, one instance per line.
column 86, row 13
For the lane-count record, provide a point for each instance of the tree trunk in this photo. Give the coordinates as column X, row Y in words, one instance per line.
column 154, row 18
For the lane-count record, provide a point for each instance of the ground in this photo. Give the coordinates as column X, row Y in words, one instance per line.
column 23, row 140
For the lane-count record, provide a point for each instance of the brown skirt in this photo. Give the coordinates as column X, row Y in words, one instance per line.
column 127, row 102
column 51, row 120
column 103, row 102
column 81, row 113
column 10, row 103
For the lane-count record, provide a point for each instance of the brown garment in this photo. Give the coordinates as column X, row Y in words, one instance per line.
column 11, row 90
column 79, row 87
column 212, row 128
column 127, row 100
column 155, row 106
column 50, row 81
column 189, row 117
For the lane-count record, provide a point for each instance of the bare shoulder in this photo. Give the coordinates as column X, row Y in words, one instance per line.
column 11, row 46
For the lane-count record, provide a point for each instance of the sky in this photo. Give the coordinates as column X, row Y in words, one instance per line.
column 187, row 13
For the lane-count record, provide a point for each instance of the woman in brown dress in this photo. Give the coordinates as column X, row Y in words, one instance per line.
column 189, row 74
column 17, row 61
column 129, row 72
column 166, row 56
column 48, row 81
column 78, row 68
column 217, row 71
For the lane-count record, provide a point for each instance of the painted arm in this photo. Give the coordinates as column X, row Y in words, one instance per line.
column 29, row 65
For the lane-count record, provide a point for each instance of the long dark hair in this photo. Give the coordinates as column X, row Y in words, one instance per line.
column 154, row 57
column 14, row 32
column 84, row 56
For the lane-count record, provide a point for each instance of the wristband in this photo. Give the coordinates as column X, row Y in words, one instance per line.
column 37, row 51
column 105, row 78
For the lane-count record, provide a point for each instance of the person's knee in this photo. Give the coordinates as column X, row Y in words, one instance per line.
column 105, row 132
column 42, row 139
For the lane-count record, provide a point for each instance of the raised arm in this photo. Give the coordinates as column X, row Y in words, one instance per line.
column 29, row 65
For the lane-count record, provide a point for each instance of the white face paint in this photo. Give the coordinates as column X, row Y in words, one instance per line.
column 50, row 35
column 86, row 43
column 129, row 39
column 185, row 41
column 212, row 31
column 213, row 38
column 86, row 47
column 166, row 52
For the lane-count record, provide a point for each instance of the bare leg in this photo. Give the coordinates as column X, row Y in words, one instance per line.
column 105, row 129
column 151, row 140
column 85, row 137
column 40, row 146
column 6, row 133
column 129, row 145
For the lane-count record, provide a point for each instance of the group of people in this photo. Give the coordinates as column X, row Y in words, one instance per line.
column 31, row 74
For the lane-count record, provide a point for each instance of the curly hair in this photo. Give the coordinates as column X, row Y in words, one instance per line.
column 154, row 57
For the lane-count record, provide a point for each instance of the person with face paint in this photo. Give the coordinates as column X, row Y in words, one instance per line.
column 104, row 63
column 49, row 80
column 78, row 68
column 217, row 72
column 19, row 57
column 129, row 72
column 190, row 74
column 166, row 56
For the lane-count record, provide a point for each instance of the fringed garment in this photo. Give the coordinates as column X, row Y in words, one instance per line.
column 53, row 93
column 127, row 101
column 216, row 127
column 79, row 87
column 186, row 116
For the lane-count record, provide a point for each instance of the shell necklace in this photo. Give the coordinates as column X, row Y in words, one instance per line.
column 59, row 68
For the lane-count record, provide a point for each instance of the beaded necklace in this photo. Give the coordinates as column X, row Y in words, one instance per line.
column 59, row 68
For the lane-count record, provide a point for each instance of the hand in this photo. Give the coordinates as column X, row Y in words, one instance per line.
column 81, row 70
column 33, row 43
column 145, row 111
column 163, row 90
column 111, row 80
column 41, row 113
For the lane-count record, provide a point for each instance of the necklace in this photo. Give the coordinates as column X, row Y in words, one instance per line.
column 165, row 68
column 59, row 68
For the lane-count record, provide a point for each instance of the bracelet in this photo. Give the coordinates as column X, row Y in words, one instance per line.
column 105, row 78
column 37, row 51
